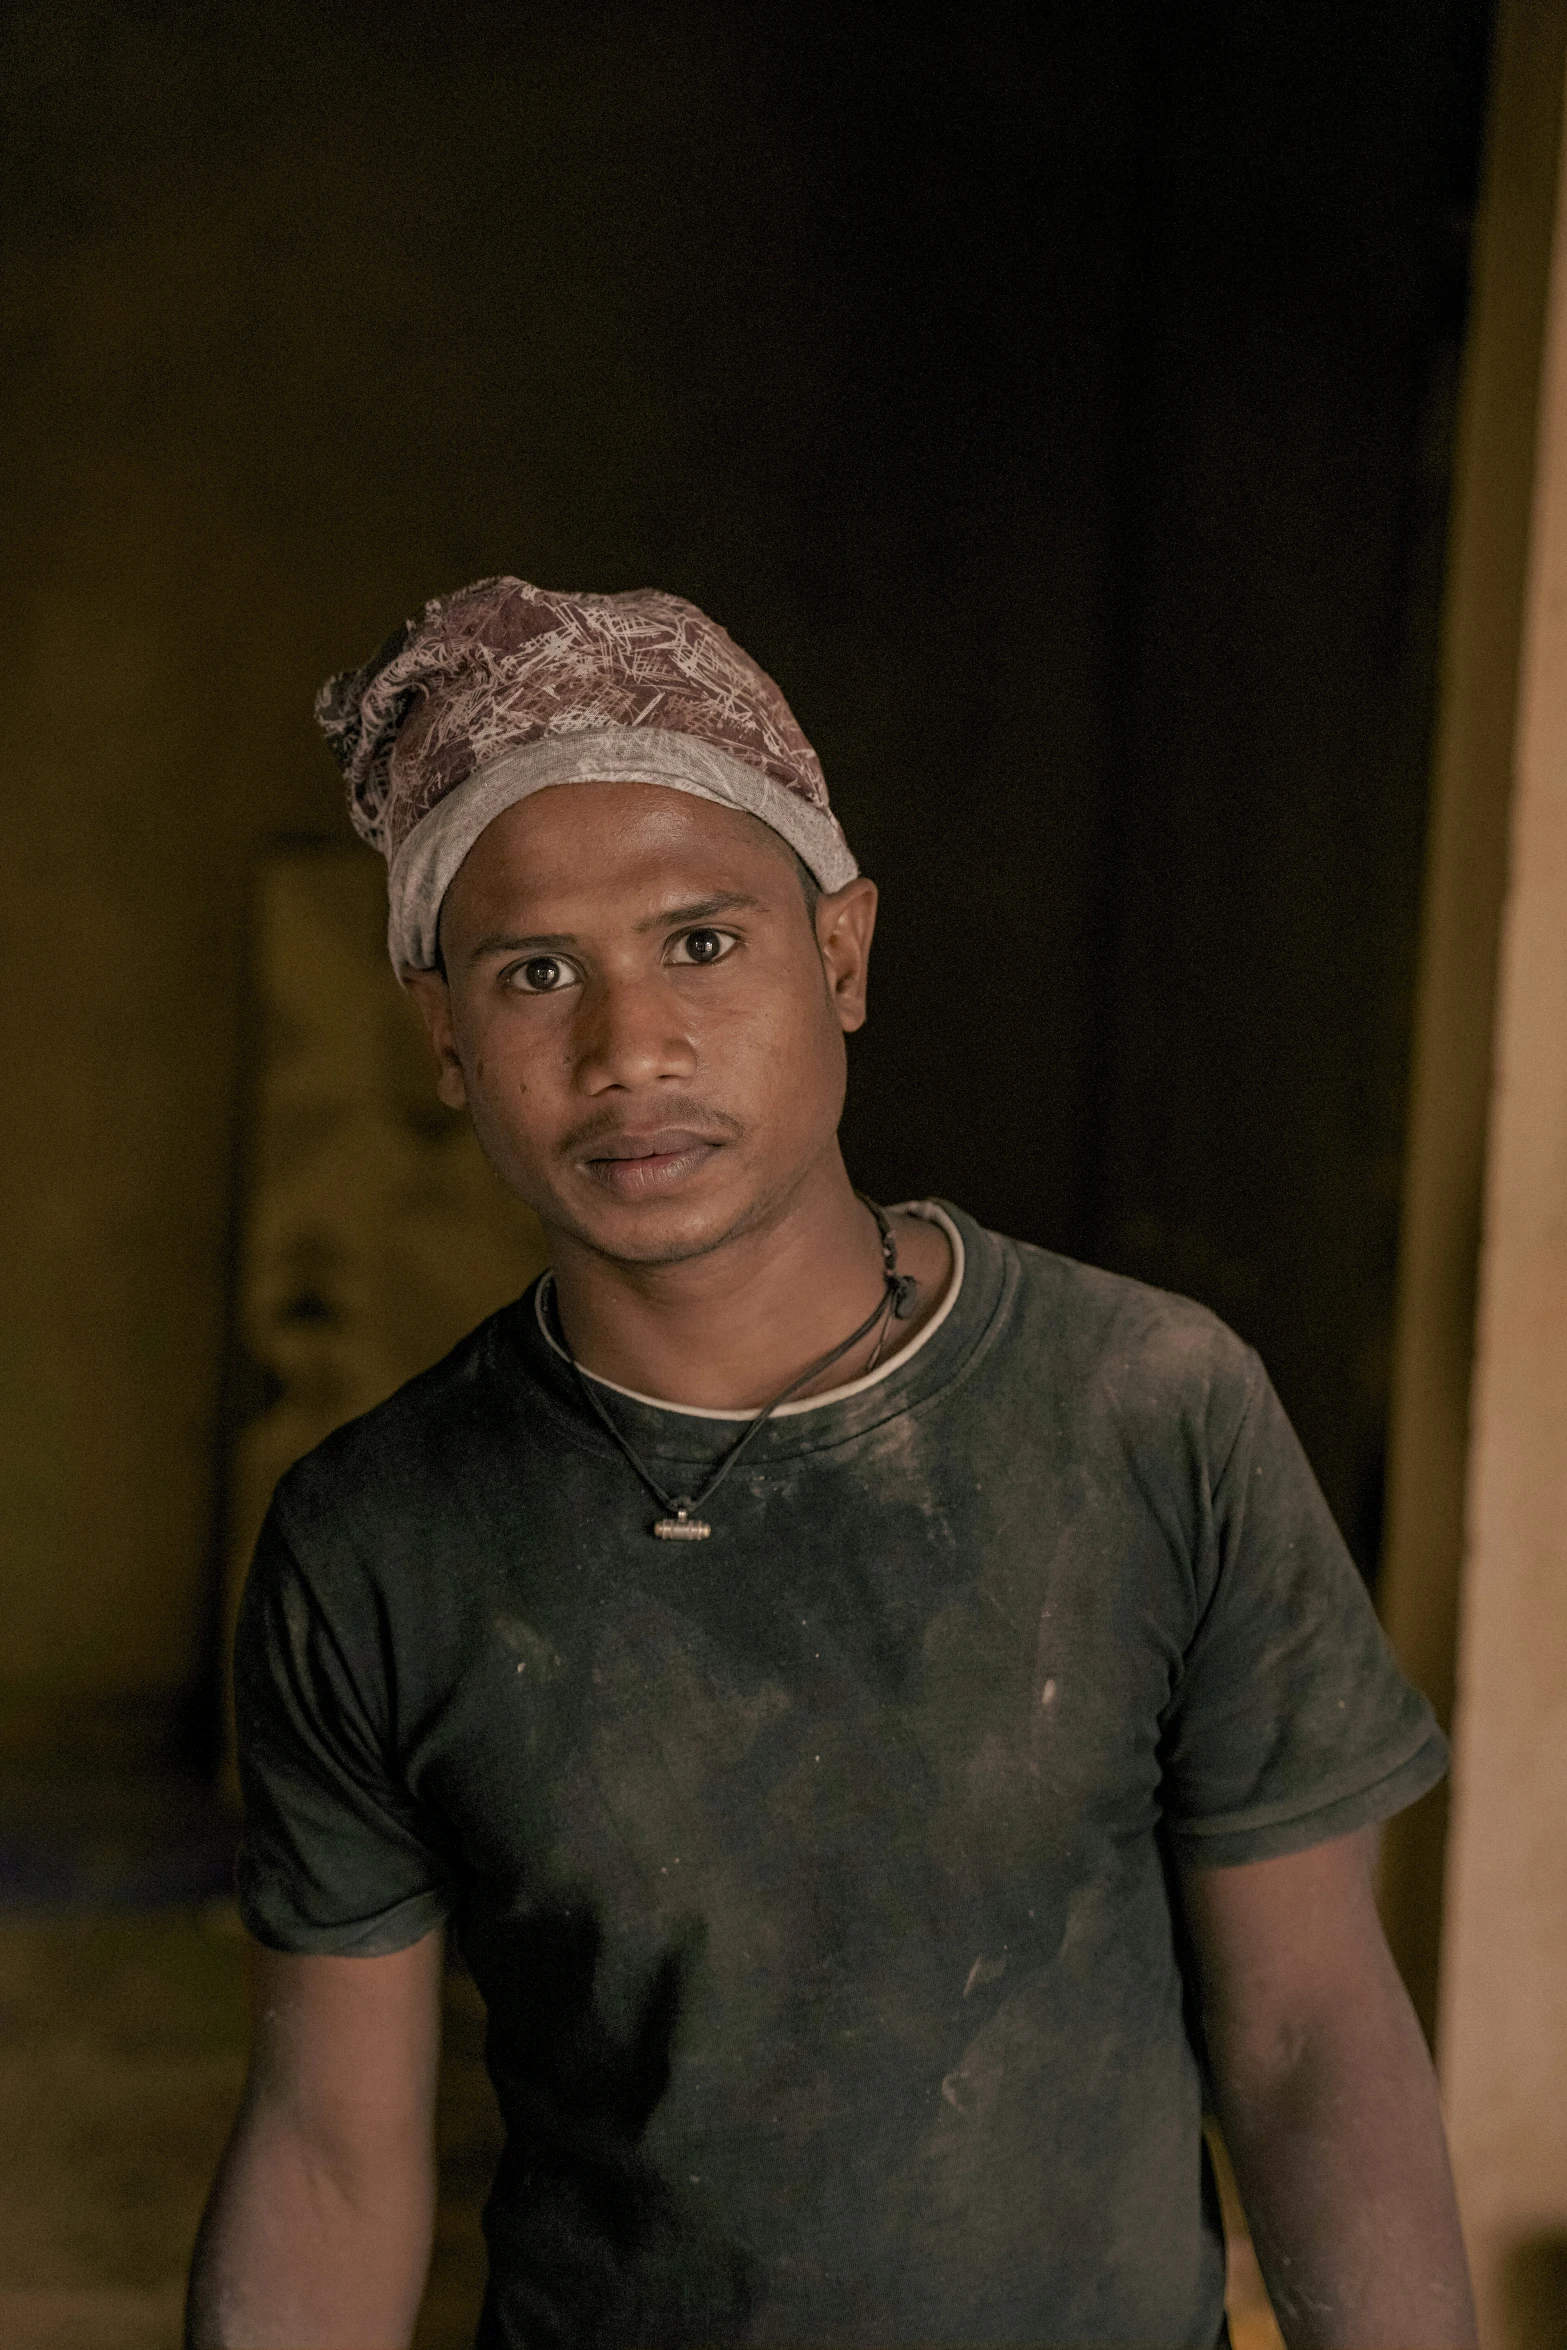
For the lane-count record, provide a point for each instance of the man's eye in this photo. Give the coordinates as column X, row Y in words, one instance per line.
column 540, row 975
column 702, row 946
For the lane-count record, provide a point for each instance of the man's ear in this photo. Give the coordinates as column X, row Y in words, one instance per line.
column 434, row 999
column 844, row 924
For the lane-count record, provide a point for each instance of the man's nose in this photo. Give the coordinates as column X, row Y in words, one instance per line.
column 631, row 1033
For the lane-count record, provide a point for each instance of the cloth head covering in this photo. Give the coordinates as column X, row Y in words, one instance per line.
column 505, row 689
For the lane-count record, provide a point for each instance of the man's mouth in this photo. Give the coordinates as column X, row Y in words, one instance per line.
column 632, row 1166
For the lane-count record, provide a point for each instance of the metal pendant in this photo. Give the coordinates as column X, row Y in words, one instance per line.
column 682, row 1527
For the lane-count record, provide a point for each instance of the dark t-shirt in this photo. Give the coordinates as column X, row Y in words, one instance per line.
column 818, row 1877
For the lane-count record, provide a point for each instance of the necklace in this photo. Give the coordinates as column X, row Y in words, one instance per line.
column 680, row 1522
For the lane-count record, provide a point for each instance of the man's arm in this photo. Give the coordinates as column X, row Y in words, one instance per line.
column 1328, row 2104
column 317, row 2232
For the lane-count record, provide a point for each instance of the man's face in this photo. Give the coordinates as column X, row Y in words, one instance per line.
column 642, row 1018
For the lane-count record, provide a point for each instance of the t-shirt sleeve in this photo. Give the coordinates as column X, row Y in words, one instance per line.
column 1291, row 1722
column 335, row 1855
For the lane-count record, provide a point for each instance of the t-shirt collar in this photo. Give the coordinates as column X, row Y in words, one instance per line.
column 929, row 1210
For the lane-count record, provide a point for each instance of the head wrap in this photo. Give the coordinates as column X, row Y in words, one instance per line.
column 505, row 689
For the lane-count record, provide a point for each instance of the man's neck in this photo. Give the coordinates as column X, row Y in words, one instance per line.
column 726, row 1331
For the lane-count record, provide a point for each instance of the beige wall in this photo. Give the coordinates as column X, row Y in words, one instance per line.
column 1466, row 868
column 1476, row 1560
column 1504, row 1985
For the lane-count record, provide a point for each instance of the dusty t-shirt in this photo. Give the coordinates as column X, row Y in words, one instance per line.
column 818, row 1877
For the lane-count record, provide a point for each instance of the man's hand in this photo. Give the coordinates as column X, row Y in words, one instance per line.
column 1328, row 2104
column 317, row 2233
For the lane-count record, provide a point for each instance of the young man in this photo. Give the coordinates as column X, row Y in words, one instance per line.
column 884, row 1709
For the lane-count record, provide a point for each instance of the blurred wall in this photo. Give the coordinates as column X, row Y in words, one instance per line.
column 1504, row 1978
column 1298, row 301
column 1497, row 493
column 1060, row 408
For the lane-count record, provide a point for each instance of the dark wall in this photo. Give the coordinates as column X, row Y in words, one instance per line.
column 1297, row 307
column 1170, row 1029
column 1189, row 398
column 1057, row 403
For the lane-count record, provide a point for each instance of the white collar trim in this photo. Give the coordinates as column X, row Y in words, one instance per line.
column 928, row 1210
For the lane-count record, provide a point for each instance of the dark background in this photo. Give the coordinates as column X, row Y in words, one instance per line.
column 1058, row 401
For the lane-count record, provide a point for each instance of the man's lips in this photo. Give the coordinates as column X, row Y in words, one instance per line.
column 632, row 1165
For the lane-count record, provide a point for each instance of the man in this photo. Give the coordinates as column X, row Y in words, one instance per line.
column 883, row 1709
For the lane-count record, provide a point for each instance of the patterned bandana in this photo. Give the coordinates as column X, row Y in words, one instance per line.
column 504, row 689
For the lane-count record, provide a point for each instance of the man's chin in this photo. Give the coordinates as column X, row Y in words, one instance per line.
column 666, row 1240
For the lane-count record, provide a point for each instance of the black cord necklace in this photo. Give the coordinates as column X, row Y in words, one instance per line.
column 680, row 1522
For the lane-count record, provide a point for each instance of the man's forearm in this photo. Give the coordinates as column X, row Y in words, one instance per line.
column 296, row 2252
column 1341, row 2160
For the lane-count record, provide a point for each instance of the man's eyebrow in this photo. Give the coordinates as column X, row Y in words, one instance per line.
column 506, row 942
column 727, row 901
